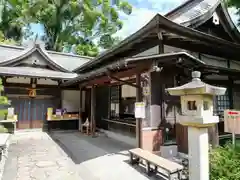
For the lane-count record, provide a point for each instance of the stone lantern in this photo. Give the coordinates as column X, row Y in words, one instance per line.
column 197, row 115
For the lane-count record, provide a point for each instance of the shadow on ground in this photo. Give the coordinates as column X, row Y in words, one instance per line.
column 82, row 148
column 103, row 157
column 106, row 157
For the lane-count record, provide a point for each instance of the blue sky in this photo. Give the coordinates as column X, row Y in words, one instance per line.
column 143, row 11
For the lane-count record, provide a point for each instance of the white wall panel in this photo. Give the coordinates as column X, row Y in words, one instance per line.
column 170, row 49
column 71, row 100
column 19, row 80
column 217, row 77
column 214, row 61
column 235, row 65
column 47, row 82
column 128, row 91
column 148, row 52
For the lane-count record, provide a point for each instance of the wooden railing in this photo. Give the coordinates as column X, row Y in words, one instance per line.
column 123, row 126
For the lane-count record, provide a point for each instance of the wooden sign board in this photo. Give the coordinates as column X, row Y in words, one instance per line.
column 232, row 121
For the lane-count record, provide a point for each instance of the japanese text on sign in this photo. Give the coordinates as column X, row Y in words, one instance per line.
column 232, row 121
column 139, row 110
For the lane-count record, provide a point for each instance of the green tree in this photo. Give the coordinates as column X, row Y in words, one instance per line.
column 108, row 42
column 10, row 20
column 3, row 101
column 4, row 40
column 236, row 4
column 3, row 107
column 77, row 22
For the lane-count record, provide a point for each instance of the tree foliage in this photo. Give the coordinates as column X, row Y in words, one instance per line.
column 10, row 26
column 79, row 22
column 4, row 40
column 236, row 4
column 3, row 101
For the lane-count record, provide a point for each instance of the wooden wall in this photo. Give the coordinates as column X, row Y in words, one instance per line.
column 32, row 111
column 102, row 105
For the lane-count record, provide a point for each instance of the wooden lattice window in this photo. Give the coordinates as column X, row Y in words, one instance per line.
column 115, row 101
column 221, row 103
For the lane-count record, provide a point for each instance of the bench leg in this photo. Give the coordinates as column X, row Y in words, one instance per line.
column 155, row 169
column 137, row 160
column 148, row 168
column 131, row 158
column 179, row 174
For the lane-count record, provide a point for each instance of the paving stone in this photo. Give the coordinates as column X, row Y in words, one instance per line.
column 36, row 156
column 42, row 164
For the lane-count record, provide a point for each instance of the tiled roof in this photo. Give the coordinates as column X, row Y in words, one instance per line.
column 192, row 10
column 65, row 61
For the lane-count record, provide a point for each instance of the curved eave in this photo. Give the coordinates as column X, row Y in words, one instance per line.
column 219, row 7
column 227, row 22
column 184, row 6
column 201, row 19
column 181, row 30
column 167, row 58
column 193, row 13
column 26, row 53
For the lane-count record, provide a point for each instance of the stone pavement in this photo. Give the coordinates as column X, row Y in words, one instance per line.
column 35, row 156
column 63, row 156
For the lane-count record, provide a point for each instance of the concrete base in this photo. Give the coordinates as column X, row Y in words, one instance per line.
column 169, row 151
column 151, row 139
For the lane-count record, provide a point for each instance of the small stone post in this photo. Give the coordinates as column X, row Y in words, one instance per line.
column 197, row 115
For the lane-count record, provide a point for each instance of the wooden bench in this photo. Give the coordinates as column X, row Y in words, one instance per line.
column 171, row 168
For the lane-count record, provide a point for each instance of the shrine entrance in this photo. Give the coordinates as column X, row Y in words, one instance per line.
column 31, row 111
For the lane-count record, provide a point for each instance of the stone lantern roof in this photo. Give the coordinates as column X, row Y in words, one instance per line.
column 196, row 87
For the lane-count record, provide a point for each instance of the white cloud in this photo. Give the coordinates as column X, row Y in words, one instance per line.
column 141, row 16
column 135, row 21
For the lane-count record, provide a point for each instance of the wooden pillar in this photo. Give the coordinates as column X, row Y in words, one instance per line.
column 230, row 87
column 93, row 110
column 152, row 135
column 138, row 120
column 80, row 109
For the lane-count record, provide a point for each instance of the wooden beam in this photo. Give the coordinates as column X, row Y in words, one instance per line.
column 122, row 81
column 104, row 79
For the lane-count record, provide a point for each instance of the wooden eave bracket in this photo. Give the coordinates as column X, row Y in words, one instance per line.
column 108, row 73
